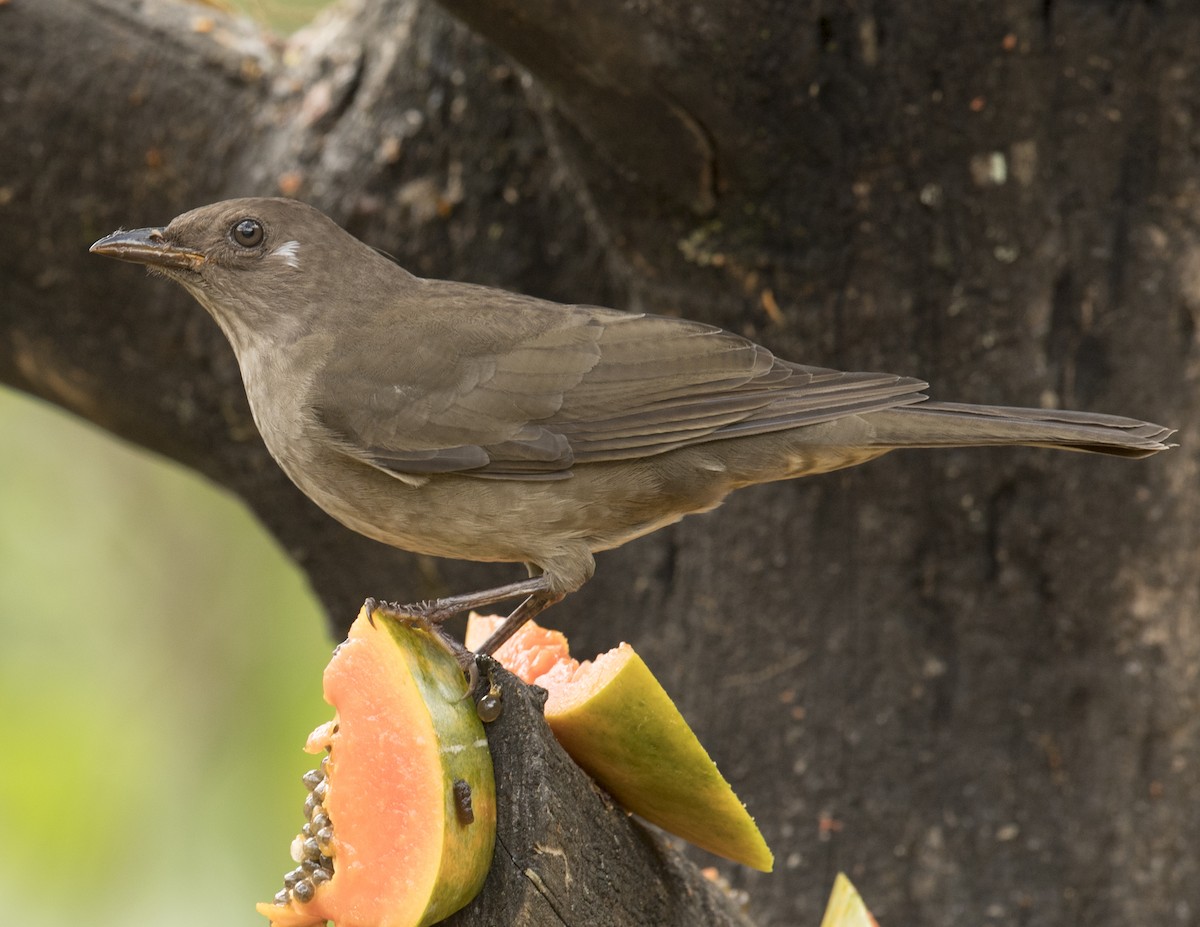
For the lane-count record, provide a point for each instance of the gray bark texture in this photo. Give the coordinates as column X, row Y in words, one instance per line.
column 566, row 854
column 967, row 678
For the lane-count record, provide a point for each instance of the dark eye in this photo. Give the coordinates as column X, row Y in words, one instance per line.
column 248, row 233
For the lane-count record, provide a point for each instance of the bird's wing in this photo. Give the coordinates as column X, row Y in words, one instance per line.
column 527, row 389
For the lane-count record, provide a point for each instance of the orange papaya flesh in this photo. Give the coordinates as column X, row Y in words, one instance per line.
column 406, row 792
column 618, row 723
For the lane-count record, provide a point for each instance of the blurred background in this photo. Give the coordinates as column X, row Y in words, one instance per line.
column 152, row 761
column 151, row 758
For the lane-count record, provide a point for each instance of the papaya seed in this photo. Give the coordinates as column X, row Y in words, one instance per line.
column 462, row 802
column 291, row 878
column 320, row 819
column 326, row 862
column 303, row 890
column 283, row 896
column 296, row 850
column 489, row 708
column 321, row 790
column 312, row 778
column 312, row 849
column 310, row 805
column 320, row 875
column 323, row 837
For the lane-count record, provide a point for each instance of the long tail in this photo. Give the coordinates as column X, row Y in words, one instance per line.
column 952, row 424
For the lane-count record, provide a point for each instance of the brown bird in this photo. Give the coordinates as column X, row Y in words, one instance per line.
column 467, row 422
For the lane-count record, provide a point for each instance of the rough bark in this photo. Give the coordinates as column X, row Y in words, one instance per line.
column 566, row 855
column 967, row 678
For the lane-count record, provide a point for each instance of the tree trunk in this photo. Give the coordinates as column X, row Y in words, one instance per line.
column 966, row 677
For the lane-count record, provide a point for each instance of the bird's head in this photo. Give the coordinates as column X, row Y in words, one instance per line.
column 258, row 265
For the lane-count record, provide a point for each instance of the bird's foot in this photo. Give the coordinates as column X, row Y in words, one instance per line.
column 429, row 615
column 417, row 617
column 430, row 611
column 436, row 611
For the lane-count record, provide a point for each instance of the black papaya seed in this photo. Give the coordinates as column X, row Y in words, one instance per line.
column 303, row 891
column 320, row 875
column 489, row 708
column 462, row 801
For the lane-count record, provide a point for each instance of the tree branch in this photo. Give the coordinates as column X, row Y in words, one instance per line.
column 566, row 854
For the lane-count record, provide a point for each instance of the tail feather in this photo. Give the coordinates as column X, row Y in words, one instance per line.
column 951, row 424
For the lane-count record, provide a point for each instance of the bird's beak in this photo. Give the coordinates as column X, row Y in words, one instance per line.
column 149, row 247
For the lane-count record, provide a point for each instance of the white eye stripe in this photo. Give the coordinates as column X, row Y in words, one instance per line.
column 289, row 253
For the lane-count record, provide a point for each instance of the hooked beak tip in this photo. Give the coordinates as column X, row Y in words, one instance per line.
column 148, row 247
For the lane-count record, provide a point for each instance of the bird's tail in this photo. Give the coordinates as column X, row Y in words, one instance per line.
column 951, row 424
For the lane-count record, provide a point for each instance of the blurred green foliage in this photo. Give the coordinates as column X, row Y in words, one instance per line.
column 160, row 669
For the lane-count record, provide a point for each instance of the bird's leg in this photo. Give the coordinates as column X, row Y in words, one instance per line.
column 439, row 610
column 430, row 615
column 464, row 657
column 530, row 608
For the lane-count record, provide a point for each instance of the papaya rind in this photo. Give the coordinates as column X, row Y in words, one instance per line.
column 467, row 849
column 846, row 907
column 629, row 736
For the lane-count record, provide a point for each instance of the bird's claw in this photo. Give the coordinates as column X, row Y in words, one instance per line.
column 466, row 662
column 426, row 612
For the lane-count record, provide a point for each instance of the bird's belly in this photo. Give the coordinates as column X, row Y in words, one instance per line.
column 599, row 507
column 530, row 521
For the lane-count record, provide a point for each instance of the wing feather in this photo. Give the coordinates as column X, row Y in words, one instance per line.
column 526, row 389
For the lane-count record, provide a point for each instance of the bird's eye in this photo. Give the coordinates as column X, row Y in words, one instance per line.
column 248, row 233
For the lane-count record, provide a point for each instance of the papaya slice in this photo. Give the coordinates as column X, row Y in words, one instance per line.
column 618, row 723
column 846, row 907
column 401, row 814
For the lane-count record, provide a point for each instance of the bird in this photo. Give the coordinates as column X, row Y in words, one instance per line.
column 469, row 422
